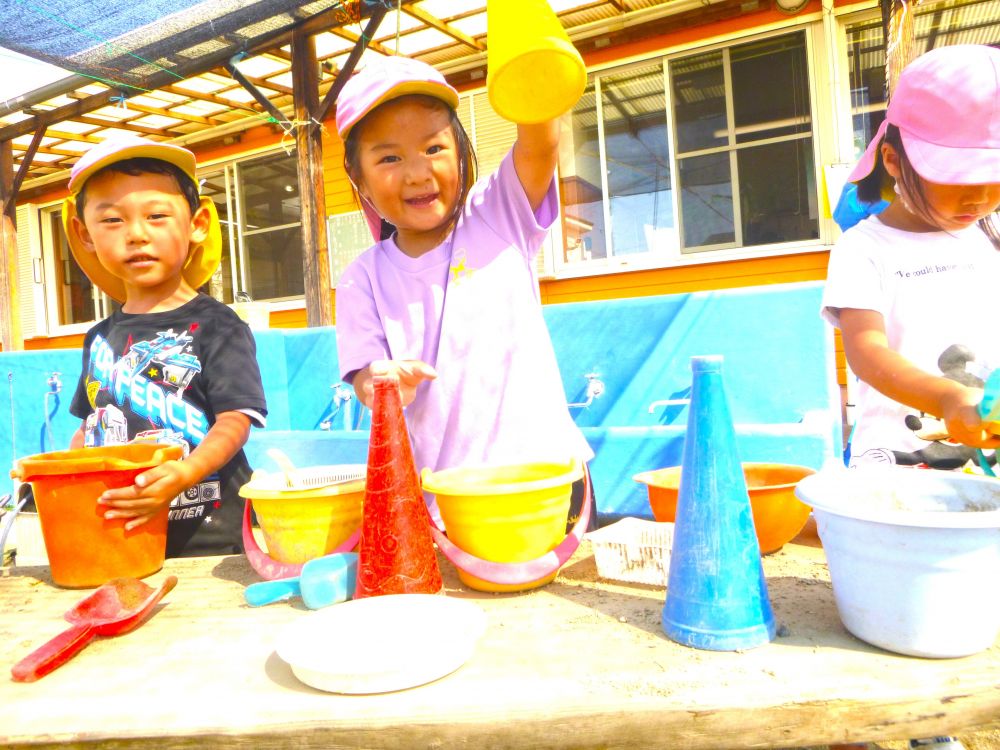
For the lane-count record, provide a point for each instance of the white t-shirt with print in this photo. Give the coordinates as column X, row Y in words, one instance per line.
column 936, row 292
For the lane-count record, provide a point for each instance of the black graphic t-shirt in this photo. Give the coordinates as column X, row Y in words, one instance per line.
column 162, row 377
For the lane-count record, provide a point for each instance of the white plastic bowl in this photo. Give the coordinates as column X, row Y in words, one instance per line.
column 914, row 556
column 382, row 643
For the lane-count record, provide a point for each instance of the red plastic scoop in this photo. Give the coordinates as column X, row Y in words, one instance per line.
column 120, row 605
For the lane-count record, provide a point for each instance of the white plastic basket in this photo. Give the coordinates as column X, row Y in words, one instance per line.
column 633, row 550
column 307, row 478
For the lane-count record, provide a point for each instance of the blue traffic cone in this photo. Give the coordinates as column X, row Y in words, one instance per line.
column 716, row 592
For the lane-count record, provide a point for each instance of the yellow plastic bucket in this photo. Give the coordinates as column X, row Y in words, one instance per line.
column 504, row 513
column 302, row 524
column 534, row 73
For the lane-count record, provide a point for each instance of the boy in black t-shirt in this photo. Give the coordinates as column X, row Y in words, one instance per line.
column 172, row 365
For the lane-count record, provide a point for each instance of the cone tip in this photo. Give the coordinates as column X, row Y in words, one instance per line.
column 707, row 363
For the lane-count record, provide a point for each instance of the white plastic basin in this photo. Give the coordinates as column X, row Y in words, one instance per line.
column 914, row 556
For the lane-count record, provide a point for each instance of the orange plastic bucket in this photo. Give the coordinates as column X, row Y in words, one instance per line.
column 84, row 548
column 778, row 516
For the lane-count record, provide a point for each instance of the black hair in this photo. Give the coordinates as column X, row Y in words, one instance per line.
column 870, row 188
column 145, row 165
column 467, row 163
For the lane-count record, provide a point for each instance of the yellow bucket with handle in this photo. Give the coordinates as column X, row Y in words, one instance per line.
column 505, row 514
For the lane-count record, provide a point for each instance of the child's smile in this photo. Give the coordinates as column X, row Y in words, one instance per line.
column 409, row 170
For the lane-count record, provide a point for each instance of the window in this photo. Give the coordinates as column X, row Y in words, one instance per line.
column 934, row 26
column 258, row 205
column 725, row 161
column 744, row 128
column 74, row 296
column 616, row 187
column 270, row 226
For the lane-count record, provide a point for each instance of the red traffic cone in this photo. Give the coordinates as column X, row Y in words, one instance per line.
column 396, row 554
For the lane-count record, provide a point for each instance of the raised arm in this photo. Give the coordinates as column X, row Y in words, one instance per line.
column 536, row 153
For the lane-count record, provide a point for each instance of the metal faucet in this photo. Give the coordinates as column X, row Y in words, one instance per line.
column 668, row 402
column 595, row 388
column 55, row 384
column 341, row 397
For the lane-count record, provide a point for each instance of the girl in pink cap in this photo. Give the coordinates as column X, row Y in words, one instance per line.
column 447, row 298
column 912, row 289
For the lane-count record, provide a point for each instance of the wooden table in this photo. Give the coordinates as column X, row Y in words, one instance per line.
column 579, row 663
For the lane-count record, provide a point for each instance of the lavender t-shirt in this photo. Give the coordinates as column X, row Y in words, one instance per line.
column 471, row 308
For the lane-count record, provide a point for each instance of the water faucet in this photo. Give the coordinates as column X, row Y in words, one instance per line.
column 54, row 383
column 595, row 389
column 342, row 395
column 668, row 402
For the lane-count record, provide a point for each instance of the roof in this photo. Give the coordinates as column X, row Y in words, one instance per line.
column 164, row 68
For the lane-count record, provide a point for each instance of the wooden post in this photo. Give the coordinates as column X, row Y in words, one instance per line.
column 9, row 324
column 312, row 196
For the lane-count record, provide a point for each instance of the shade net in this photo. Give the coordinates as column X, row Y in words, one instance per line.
column 144, row 43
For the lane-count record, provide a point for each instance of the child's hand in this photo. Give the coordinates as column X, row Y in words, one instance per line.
column 152, row 490
column 409, row 372
column 960, row 412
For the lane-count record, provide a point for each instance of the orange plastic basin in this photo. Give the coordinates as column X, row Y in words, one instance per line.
column 84, row 548
column 778, row 516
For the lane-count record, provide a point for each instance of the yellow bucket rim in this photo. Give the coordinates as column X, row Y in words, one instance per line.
column 443, row 482
column 346, row 488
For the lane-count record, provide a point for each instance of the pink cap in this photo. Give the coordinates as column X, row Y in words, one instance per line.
column 947, row 108
column 380, row 81
column 386, row 78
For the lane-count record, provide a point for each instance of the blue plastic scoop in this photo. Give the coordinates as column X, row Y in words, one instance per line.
column 989, row 407
column 989, row 411
column 324, row 581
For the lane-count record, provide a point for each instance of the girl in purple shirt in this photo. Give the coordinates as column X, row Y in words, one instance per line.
column 447, row 298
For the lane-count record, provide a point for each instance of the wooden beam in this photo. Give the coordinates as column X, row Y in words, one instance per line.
column 352, row 37
column 46, row 168
column 256, row 93
column 324, row 21
column 280, row 54
column 352, row 60
column 9, row 322
column 127, row 125
column 210, row 98
column 66, row 112
column 312, row 194
column 129, row 104
column 262, row 83
column 10, row 201
column 437, row 23
column 51, row 150
column 64, row 136
column 267, row 84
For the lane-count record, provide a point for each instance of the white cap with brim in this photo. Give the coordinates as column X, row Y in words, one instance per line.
column 203, row 257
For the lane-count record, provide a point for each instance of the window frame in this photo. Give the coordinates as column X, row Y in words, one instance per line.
column 822, row 112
